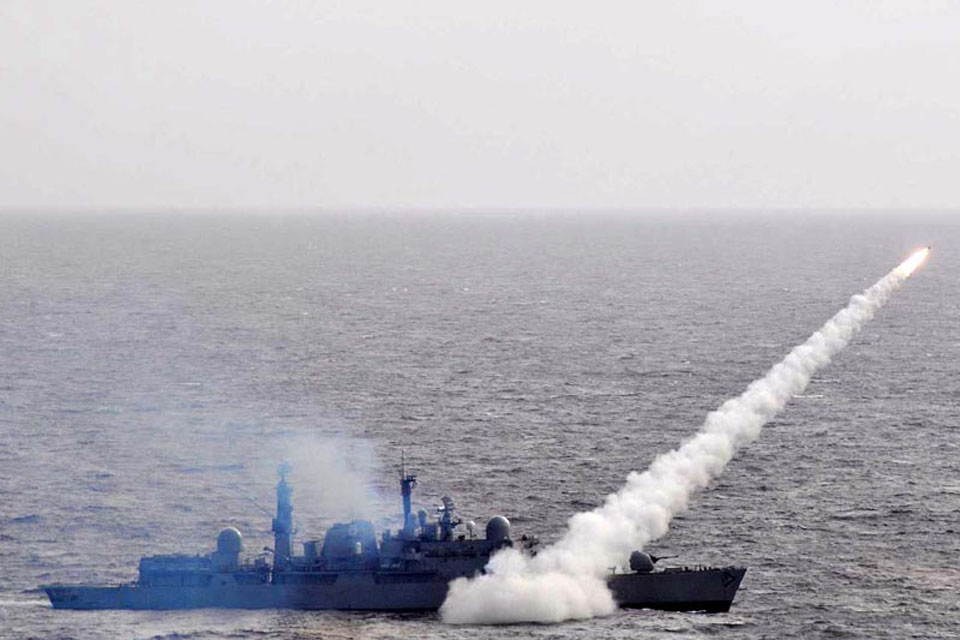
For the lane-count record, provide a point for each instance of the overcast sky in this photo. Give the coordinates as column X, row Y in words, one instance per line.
column 481, row 104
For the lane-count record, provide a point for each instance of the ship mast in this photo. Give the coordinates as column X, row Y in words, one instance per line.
column 407, row 483
column 283, row 523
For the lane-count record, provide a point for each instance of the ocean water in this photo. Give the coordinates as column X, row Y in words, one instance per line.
column 155, row 368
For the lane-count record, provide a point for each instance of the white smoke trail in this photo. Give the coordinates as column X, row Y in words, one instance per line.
column 566, row 580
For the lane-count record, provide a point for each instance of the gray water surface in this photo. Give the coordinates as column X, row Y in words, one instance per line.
column 154, row 369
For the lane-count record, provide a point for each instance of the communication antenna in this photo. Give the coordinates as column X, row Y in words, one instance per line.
column 254, row 502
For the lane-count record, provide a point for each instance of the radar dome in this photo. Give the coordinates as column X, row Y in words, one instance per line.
column 498, row 528
column 229, row 541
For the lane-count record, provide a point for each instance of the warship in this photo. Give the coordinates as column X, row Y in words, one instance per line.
column 351, row 569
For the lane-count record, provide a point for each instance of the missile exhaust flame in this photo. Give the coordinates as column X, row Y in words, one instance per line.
column 908, row 266
column 566, row 580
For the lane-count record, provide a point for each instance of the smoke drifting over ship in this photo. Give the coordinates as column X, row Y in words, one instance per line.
column 566, row 580
column 334, row 478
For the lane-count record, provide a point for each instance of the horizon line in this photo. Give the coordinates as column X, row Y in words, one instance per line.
column 266, row 209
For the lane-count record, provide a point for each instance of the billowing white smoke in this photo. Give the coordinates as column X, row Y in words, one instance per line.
column 566, row 580
column 333, row 479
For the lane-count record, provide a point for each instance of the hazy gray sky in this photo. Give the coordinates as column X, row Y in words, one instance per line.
column 480, row 104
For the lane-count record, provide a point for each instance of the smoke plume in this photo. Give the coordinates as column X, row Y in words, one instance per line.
column 566, row 580
column 333, row 479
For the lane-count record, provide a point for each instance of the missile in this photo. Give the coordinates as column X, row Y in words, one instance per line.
column 906, row 268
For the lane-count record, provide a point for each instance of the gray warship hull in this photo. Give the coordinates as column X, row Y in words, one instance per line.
column 672, row 589
column 710, row 589
column 364, row 591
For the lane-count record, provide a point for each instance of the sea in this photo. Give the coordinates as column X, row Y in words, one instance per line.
column 156, row 367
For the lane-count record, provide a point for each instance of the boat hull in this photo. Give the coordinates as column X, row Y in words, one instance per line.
column 360, row 591
column 675, row 590
column 710, row 589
